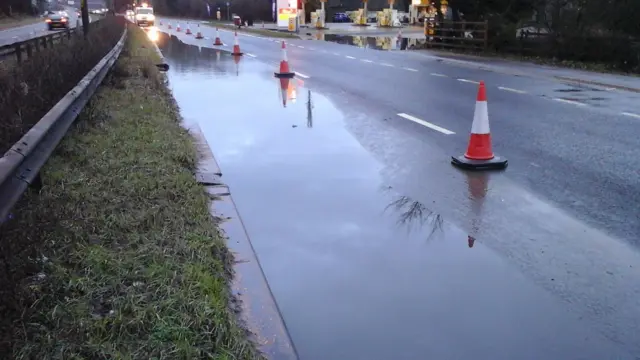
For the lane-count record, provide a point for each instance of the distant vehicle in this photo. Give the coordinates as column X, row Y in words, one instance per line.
column 532, row 30
column 57, row 21
column 144, row 16
column 341, row 17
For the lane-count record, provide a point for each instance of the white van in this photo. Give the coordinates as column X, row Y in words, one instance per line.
column 144, row 16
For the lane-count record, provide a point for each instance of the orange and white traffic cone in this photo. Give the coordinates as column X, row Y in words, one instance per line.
column 199, row 34
column 284, row 65
column 178, row 27
column 236, row 46
column 169, row 26
column 217, row 42
column 188, row 32
column 479, row 155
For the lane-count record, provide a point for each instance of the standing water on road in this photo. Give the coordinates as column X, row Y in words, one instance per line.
column 361, row 270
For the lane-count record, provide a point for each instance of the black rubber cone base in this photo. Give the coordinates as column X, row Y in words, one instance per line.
column 200, row 37
column 497, row 163
column 237, row 54
column 288, row 75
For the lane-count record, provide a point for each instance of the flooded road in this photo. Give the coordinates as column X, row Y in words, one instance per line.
column 347, row 217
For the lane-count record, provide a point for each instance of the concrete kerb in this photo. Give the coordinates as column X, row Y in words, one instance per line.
column 259, row 312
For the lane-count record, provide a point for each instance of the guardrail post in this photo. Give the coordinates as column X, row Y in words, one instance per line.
column 68, row 34
column 51, row 40
column 44, row 42
column 36, row 183
column 18, row 53
column 36, row 42
column 29, row 50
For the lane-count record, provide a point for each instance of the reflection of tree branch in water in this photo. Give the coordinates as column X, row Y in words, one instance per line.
column 414, row 211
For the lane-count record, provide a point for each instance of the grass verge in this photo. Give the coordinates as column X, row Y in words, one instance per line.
column 126, row 261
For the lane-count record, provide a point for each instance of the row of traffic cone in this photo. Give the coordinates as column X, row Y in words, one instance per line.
column 217, row 41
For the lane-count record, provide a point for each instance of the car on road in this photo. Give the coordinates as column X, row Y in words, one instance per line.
column 57, row 21
column 341, row 17
column 144, row 16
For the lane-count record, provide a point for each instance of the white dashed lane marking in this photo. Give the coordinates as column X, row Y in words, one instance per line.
column 512, row 90
column 350, row 57
column 631, row 115
column 468, row 81
column 365, row 60
column 569, row 102
column 251, row 55
column 439, row 75
column 426, row 124
column 410, row 69
column 301, row 75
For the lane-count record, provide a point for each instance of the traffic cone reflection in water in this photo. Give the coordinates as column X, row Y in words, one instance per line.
column 478, row 185
column 284, row 86
column 236, row 60
column 292, row 92
column 471, row 240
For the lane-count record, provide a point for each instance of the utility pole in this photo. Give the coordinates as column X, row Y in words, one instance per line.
column 84, row 9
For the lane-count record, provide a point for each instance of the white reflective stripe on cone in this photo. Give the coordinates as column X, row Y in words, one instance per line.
column 480, row 119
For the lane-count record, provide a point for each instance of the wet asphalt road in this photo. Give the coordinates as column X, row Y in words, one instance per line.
column 553, row 273
column 551, row 138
